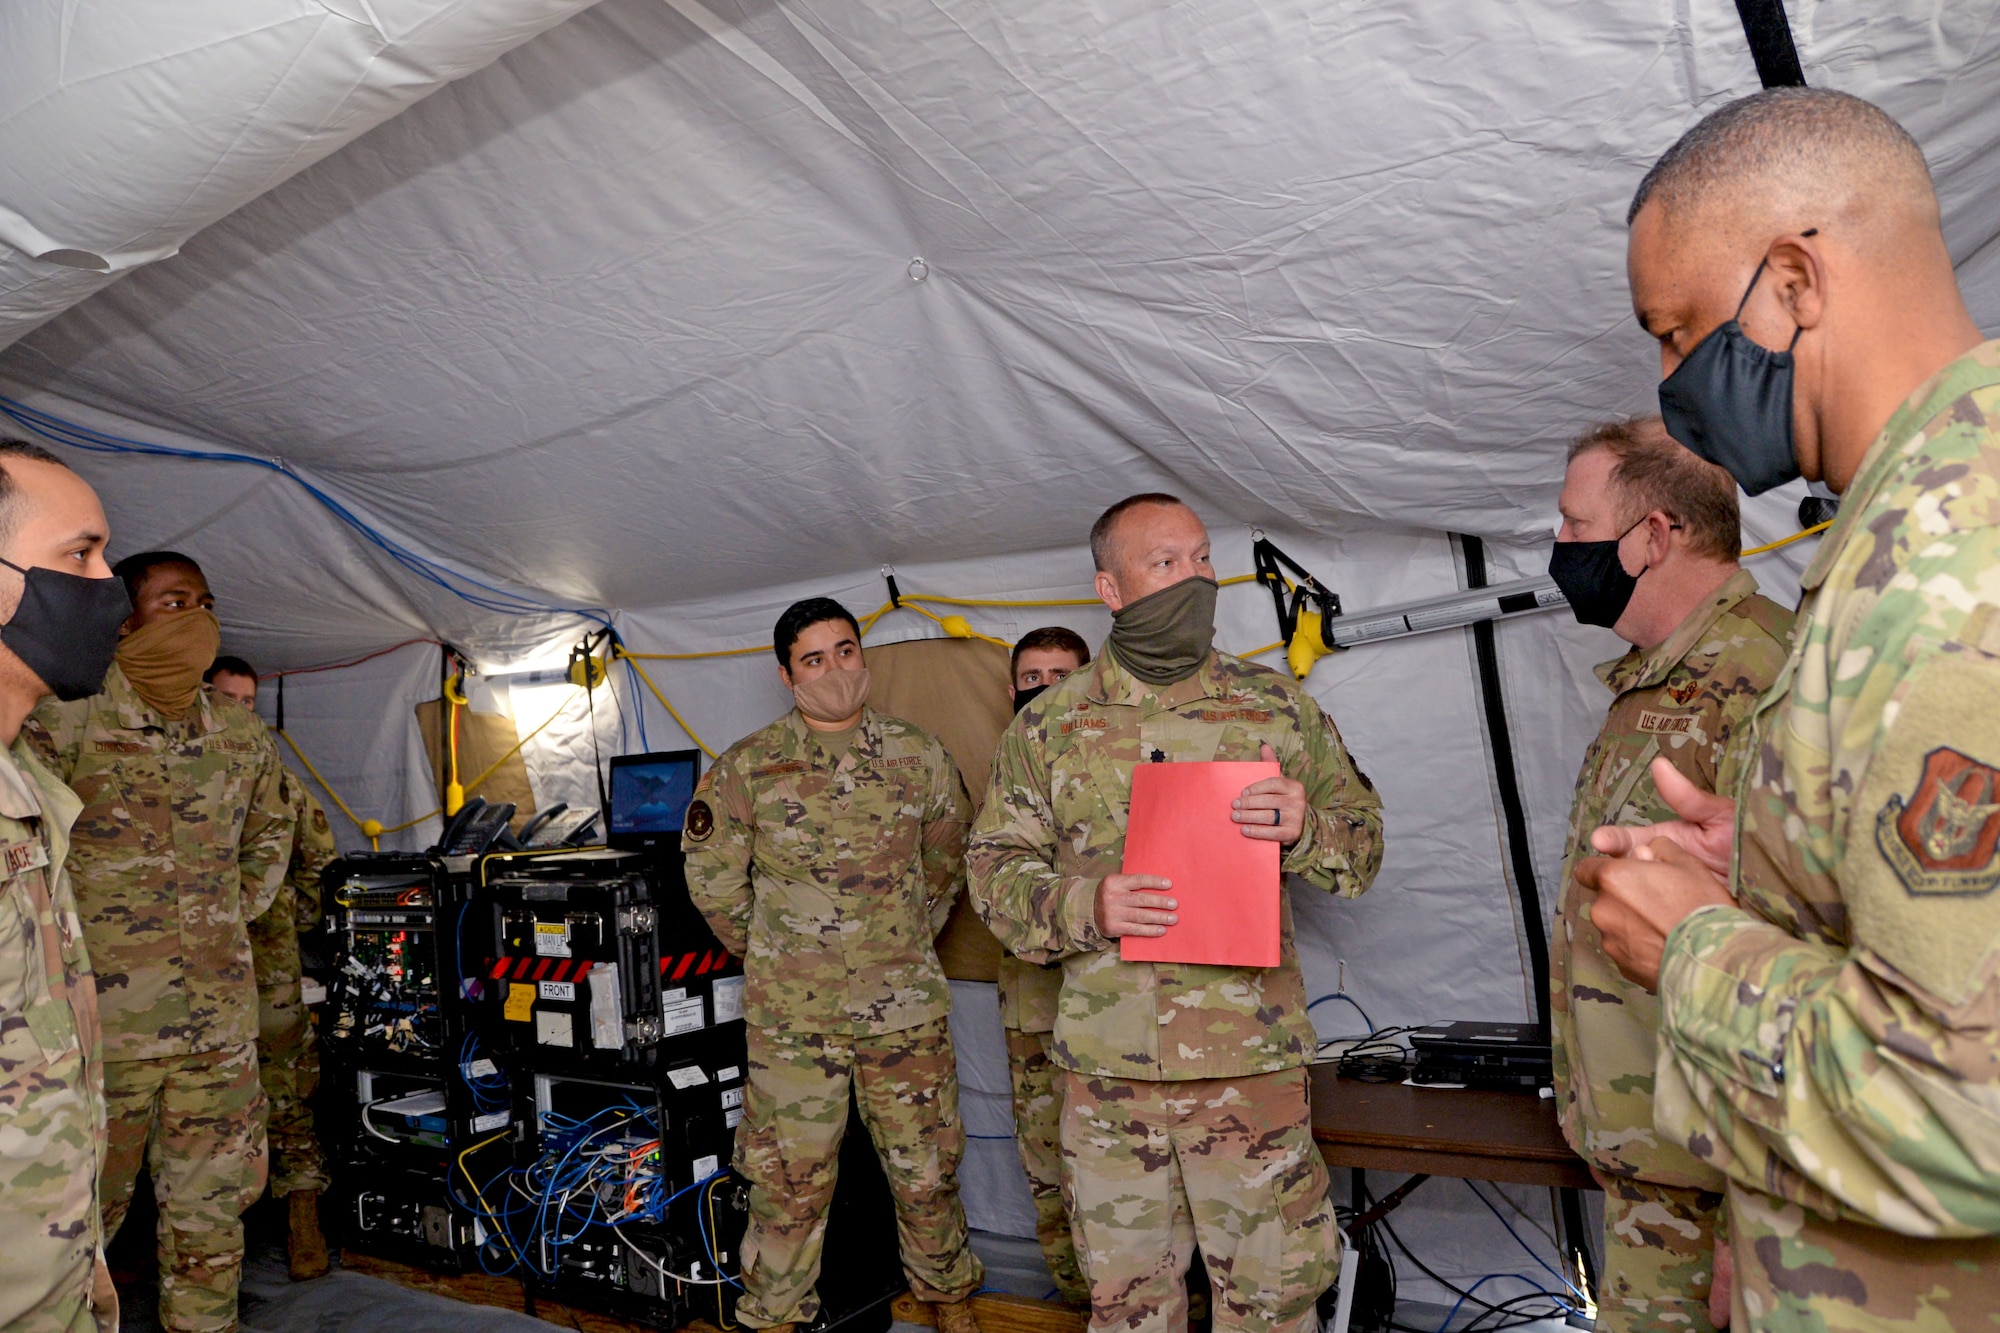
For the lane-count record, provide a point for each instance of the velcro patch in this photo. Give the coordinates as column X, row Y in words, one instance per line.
column 1666, row 724
column 233, row 747
column 1085, row 724
column 906, row 761
column 1684, row 692
column 1943, row 838
column 1234, row 715
column 777, row 770
column 120, row 747
column 27, row 854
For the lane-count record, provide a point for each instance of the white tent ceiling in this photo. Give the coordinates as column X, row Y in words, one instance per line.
column 630, row 319
column 627, row 317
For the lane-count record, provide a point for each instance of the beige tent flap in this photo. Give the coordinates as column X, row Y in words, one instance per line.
column 482, row 738
column 956, row 689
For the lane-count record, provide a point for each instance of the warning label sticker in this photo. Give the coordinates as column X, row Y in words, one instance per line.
column 552, row 939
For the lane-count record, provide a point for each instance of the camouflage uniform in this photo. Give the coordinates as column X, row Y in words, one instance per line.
column 51, row 1074
column 1184, row 1116
column 1831, row 1044
column 183, row 838
column 287, row 1054
column 829, row 865
column 1686, row 699
column 1028, row 1013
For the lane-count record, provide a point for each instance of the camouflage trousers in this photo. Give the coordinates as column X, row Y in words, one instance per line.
column 1659, row 1254
column 788, row 1148
column 1799, row 1272
column 1038, row 1137
column 1226, row 1164
column 196, row 1123
column 287, row 1053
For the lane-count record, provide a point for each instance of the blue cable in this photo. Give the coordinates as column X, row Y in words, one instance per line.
column 638, row 708
column 1522, row 1243
column 1490, row 1277
column 488, row 597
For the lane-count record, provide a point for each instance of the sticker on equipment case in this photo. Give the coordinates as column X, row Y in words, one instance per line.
column 728, row 992
column 693, row 1076
column 686, row 1016
column 552, row 939
column 553, row 1028
column 558, row 990
column 520, row 1002
column 704, row 1167
column 497, row 1120
column 732, row 1097
column 731, row 1119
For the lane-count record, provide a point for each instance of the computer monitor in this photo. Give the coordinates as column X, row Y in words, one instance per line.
column 650, row 795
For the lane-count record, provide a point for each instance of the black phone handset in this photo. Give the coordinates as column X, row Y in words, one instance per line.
column 473, row 830
column 534, row 826
column 455, row 826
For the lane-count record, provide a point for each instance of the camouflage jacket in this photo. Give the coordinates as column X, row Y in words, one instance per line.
column 1053, row 827
column 829, row 871
column 1833, row 1041
column 1686, row 699
column 51, row 1059
column 183, row 839
column 1028, row 994
column 274, row 935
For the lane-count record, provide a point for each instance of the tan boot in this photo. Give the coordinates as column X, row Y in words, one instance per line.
column 956, row 1317
column 305, row 1246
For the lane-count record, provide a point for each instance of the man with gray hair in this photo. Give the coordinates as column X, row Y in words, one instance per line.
column 1648, row 549
column 1826, row 945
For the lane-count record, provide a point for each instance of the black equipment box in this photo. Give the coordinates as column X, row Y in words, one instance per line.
column 1482, row 1055
column 601, row 962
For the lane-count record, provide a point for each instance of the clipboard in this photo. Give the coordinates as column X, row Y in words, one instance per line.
column 1179, row 826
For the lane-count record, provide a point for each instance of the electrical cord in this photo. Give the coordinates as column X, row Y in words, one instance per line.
column 1379, row 1059
column 1552, row 1272
column 1389, row 1229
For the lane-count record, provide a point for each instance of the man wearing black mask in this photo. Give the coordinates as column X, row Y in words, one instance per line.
column 1184, row 1118
column 62, row 610
column 1826, row 945
column 1705, row 647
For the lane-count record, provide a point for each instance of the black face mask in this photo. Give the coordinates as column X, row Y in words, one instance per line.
column 1593, row 578
column 1022, row 698
column 66, row 628
column 1730, row 402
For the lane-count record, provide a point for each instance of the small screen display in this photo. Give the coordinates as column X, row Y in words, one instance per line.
column 650, row 794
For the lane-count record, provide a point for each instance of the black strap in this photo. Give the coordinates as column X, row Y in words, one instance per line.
column 1770, row 38
column 1507, row 778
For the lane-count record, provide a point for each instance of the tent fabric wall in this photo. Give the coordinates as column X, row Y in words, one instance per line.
column 686, row 308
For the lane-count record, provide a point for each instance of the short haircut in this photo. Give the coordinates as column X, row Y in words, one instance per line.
column 34, row 453
column 802, row 616
column 1100, row 531
column 1652, row 471
column 1797, row 142
column 1053, row 639
column 134, row 568
column 226, row 665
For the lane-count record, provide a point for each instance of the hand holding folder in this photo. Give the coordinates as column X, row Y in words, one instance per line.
column 1180, row 827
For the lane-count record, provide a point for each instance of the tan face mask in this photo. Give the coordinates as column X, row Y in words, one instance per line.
column 165, row 659
column 833, row 697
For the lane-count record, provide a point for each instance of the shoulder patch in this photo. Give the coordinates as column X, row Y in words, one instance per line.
column 700, row 821
column 1942, row 840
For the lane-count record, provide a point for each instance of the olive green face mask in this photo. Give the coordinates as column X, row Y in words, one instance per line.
column 1165, row 636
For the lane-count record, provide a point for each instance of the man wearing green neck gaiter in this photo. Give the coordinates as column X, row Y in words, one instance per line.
column 183, row 840
column 1184, row 1087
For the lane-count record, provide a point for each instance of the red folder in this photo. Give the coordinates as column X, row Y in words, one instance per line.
column 1226, row 884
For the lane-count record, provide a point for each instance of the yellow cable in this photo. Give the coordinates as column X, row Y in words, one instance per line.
column 1259, row 652
column 1800, row 535
column 987, row 601
column 671, row 710
column 499, row 1227
column 381, row 830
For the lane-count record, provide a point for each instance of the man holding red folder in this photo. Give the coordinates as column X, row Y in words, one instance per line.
column 1184, row 1086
